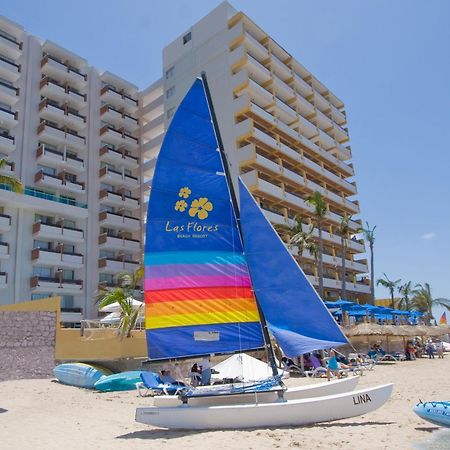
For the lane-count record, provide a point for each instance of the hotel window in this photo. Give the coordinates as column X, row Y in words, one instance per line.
column 169, row 72
column 39, row 296
column 67, row 301
column 106, row 278
column 41, row 244
column 42, row 272
column 47, row 170
column 187, row 37
column 170, row 92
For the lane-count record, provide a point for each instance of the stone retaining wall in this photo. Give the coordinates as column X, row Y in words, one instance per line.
column 27, row 344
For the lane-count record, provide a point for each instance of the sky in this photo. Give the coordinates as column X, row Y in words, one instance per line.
column 387, row 60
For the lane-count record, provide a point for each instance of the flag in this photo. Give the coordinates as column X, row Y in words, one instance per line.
column 443, row 319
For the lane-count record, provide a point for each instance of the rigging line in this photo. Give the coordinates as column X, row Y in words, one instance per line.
column 265, row 329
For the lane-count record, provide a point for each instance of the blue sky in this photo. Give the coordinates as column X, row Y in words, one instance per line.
column 388, row 60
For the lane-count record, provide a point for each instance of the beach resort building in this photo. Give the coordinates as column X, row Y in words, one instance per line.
column 84, row 143
column 70, row 133
column 283, row 130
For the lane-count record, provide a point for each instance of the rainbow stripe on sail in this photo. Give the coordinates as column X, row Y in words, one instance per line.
column 443, row 319
column 211, row 288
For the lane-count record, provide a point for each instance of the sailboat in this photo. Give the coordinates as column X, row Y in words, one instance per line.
column 218, row 278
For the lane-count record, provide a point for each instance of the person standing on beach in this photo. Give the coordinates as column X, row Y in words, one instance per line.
column 206, row 371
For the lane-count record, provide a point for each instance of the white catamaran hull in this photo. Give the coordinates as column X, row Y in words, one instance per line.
column 291, row 412
column 295, row 393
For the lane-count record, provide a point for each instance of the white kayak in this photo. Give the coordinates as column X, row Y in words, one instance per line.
column 295, row 393
column 257, row 415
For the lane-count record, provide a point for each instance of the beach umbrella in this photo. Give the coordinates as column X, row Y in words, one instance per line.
column 115, row 307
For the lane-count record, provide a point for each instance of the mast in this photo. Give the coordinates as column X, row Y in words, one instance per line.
column 226, row 168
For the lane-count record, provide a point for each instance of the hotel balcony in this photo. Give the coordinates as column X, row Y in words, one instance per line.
column 116, row 199
column 353, row 246
column 118, row 221
column 302, row 87
column 271, row 168
column 280, row 197
column 9, row 70
column 279, row 68
column 117, row 243
column 9, row 95
column 117, row 178
column 56, row 258
column 7, row 143
column 245, row 131
column 338, row 116
column 52, row 89
column 4, row 250
column 58, row 233
column 118, row 99
column 3, row 280
column 118, row 137
column 118, row 118
column 320, row 101
column 56, row 285
column 10, row 47
column 119, row 157
column 60, row 114
column 111, row 265
column 64, row 72
column 330, row 283
column 60, row 136
column 58, row 182
column 152, row 147
column 341, row 152
column 55, row 158
column 5, row 223
column 8, row 119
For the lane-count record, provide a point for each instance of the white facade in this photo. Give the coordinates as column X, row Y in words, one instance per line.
column 283, row 131
column 71, row 135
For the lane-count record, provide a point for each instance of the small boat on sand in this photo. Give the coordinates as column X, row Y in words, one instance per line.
column 437, row 413
column 259, row 415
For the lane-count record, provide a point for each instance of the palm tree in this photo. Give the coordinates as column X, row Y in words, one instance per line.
column 123, row 294
column 391, row 285
column 320, row 211
column 344, row 232
column 13, row 182
column 423, row 300
column 298, row 237
column 405, row 290
column 369, row 235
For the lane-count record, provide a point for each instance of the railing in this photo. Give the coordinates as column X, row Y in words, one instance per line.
column 16, row 90
column 12, row 40
column 106, row 149
column 45, row 195
column 68, row 67
column 122, row 94
column 34, row 281
column 17, row 66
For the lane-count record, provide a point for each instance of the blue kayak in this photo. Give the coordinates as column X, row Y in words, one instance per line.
column 123, row 381
column 79, row 374
column 437, row 413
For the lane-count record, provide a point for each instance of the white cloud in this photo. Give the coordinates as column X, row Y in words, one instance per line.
column 428, row 236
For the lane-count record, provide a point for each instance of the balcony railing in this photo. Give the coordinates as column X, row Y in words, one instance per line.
column 37, row 281
column 121, row 153
column 33, row 192
column 124, row 96
column 67, row 67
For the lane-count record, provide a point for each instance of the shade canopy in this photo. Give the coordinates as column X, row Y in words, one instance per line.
column 244, row 368
column 115, row 307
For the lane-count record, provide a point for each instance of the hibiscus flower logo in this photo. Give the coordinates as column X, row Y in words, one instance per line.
column 200, row 208
column 185, row 192
column 181, row 206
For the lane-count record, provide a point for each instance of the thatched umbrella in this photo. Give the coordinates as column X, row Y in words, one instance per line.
column 366, row 329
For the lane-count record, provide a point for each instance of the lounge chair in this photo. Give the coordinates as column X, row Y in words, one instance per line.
column 152, row 385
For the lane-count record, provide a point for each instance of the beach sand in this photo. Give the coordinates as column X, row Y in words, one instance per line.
column 43, row 414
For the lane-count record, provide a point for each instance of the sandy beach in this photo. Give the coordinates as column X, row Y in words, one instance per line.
column 43, row 414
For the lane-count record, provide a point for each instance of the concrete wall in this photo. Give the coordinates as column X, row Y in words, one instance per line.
column 27, row 344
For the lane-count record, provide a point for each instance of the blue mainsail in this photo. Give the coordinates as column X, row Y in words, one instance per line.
column 198, row 295
column 295, row 314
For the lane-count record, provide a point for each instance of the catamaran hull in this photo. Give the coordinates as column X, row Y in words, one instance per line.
column 289, row 413
column 296, row 393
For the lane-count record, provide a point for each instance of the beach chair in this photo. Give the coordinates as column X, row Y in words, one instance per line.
column 152, row 385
